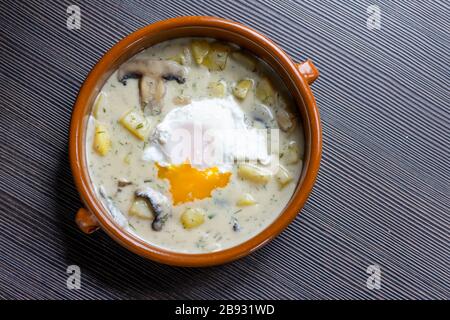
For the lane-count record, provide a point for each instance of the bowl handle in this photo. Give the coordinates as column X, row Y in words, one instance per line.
column 86, row 221
column 308, row 70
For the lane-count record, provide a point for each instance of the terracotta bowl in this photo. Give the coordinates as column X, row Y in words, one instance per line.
column 296, row 76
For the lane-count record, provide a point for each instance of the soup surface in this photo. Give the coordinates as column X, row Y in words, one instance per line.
column 193, row 145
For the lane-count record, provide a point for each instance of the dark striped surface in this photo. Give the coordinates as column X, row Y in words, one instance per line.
column 382, row 195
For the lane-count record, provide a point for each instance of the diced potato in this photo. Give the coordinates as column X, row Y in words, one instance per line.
column 140, row 209
column 99, row 105
column 245, row 60
column 127, row 158
column 217, row 89
column 102, row 140
column 179, row 58
column 216, row 59
column 246, row 200
column 200, row 49
column 254, row 173
column 285, row 119
column 192, row 217
column 241, row 89
column 291, row 154
column 183, row 58
column 283, row 177
column 265, row 91
column 136, row 123
column 181, row 100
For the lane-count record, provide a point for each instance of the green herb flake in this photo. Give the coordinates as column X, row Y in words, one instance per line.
column 236, row 212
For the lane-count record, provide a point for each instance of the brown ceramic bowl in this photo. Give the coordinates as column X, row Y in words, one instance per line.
column 296, row 76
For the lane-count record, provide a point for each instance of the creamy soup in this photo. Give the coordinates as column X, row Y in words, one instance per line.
column 193, row 145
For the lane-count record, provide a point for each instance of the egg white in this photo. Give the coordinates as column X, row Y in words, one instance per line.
column 206, row 133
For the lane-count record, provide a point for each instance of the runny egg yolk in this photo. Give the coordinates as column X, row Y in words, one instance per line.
column 188, row 183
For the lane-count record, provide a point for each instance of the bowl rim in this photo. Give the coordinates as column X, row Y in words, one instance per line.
column 155, row 253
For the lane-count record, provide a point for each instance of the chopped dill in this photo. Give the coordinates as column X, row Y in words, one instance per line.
column 131, row 226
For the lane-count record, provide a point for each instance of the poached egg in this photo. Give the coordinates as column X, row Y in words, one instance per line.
column 195, row 147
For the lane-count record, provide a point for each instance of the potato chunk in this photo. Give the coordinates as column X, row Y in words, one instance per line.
column 127, row 158
column 245, row 60
column 283, row 177
column 265, row 91
column 246, row 200
column 102, row 140
column 217, row 89
column 216, row 59
column 291, row 154
column 181, row 100
column 286, row 120
column 183, row 58
column 242, row 88
column 192, row 217
column 200, row 49
column 140, row 209
column 136, row 123
column 254, row 173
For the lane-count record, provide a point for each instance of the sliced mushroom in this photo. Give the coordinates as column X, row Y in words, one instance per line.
column 169, row 70
column 159, row 203
column 152, row 91
column 263, row 114
column 152, row 72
